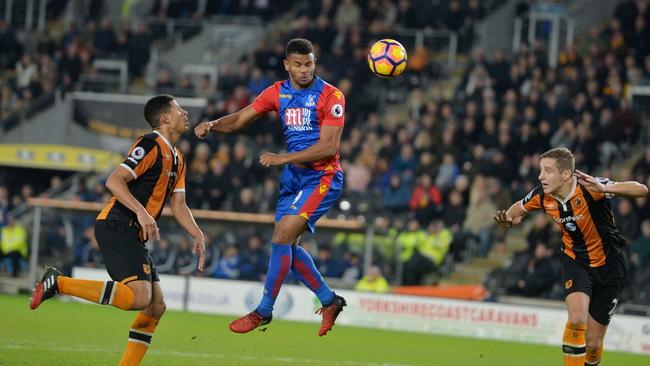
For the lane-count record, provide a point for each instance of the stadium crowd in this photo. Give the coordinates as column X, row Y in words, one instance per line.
column 431, row 180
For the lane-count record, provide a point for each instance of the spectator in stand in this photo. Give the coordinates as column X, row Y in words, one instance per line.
column 415, row 264
column 328, row 265
column 640, row 248
column 229, row 266
column 246, row 202
column 4, row 206
column 254, row 260
column 396, row 196
column 216, row 184
column 87, row 252
column 352, row 268
column 475, row 222
column 105, row 40
column 13, row 247
column 538, row 276
column 25, row 69
column 357, row 178
column 437, row 243
column 258, row 82
column 539, row 233
column 426, row 200
column 627, row 220
column 447, row 172
column 373, row 281
column 185, row 262
column 165, row 81
column 164, row 256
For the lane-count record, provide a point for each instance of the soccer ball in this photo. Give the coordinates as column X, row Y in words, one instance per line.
column 387, row 58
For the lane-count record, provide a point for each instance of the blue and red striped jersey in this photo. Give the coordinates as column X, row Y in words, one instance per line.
column 303, row 113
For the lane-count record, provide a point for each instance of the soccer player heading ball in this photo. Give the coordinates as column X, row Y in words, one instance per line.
column 312, row 114
column 593, row 263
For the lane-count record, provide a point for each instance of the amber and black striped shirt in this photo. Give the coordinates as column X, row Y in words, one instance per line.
column 158, row 169
column 589, row 233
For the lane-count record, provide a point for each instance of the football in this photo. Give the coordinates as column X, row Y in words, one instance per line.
column 387, row 58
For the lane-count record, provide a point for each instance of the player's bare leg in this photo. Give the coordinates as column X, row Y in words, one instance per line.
column 573, row 342
column 142, row 294
column 144, row 324
column 595, row 337
column 289, row 229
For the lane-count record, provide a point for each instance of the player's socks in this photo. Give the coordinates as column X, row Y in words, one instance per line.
column 140, row 335
column 574, row 345
column 304, row 268
column 593, row 356
column 102, row 292
column 279, row 265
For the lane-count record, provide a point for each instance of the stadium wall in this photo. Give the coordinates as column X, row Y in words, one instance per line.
column 393, row 312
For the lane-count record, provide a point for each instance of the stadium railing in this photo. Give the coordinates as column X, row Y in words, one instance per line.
column 108, row 75
column 436, row 41
column 74, row 216
column 536, row 24
column 37, row 105
column 179, row 30
column 27, row 12
column 640, row 97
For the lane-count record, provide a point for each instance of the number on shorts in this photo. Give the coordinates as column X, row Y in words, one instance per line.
column 611, row 312
column 297, row 198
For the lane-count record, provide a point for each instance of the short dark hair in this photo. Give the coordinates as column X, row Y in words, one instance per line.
column 155, row 107
column 563, row 158
column 300, row 46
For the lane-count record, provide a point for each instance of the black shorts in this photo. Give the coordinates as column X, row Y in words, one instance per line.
column 603, row 284
column 126, row 257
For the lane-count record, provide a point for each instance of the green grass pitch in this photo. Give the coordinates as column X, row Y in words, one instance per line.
column 70, row 333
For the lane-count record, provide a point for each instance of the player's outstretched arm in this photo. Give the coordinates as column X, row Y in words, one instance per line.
column 227, row 124
column 117, row 184
column 326, row 147
column 185, row 218
column 629, row 188
column 510, row 218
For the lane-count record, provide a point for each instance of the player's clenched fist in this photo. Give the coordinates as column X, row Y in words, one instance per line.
column 271, row 159
column 202, row 129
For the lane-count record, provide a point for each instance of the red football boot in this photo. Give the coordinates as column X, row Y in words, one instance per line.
column 46, row 288
column 249, row 322
column 330, row 312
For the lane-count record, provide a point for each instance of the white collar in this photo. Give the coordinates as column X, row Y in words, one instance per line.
column 573, row 190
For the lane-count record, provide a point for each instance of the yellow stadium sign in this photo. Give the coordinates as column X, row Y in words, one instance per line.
column 57, row 157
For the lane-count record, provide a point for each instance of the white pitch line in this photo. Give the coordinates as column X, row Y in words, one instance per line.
column 290, row 360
